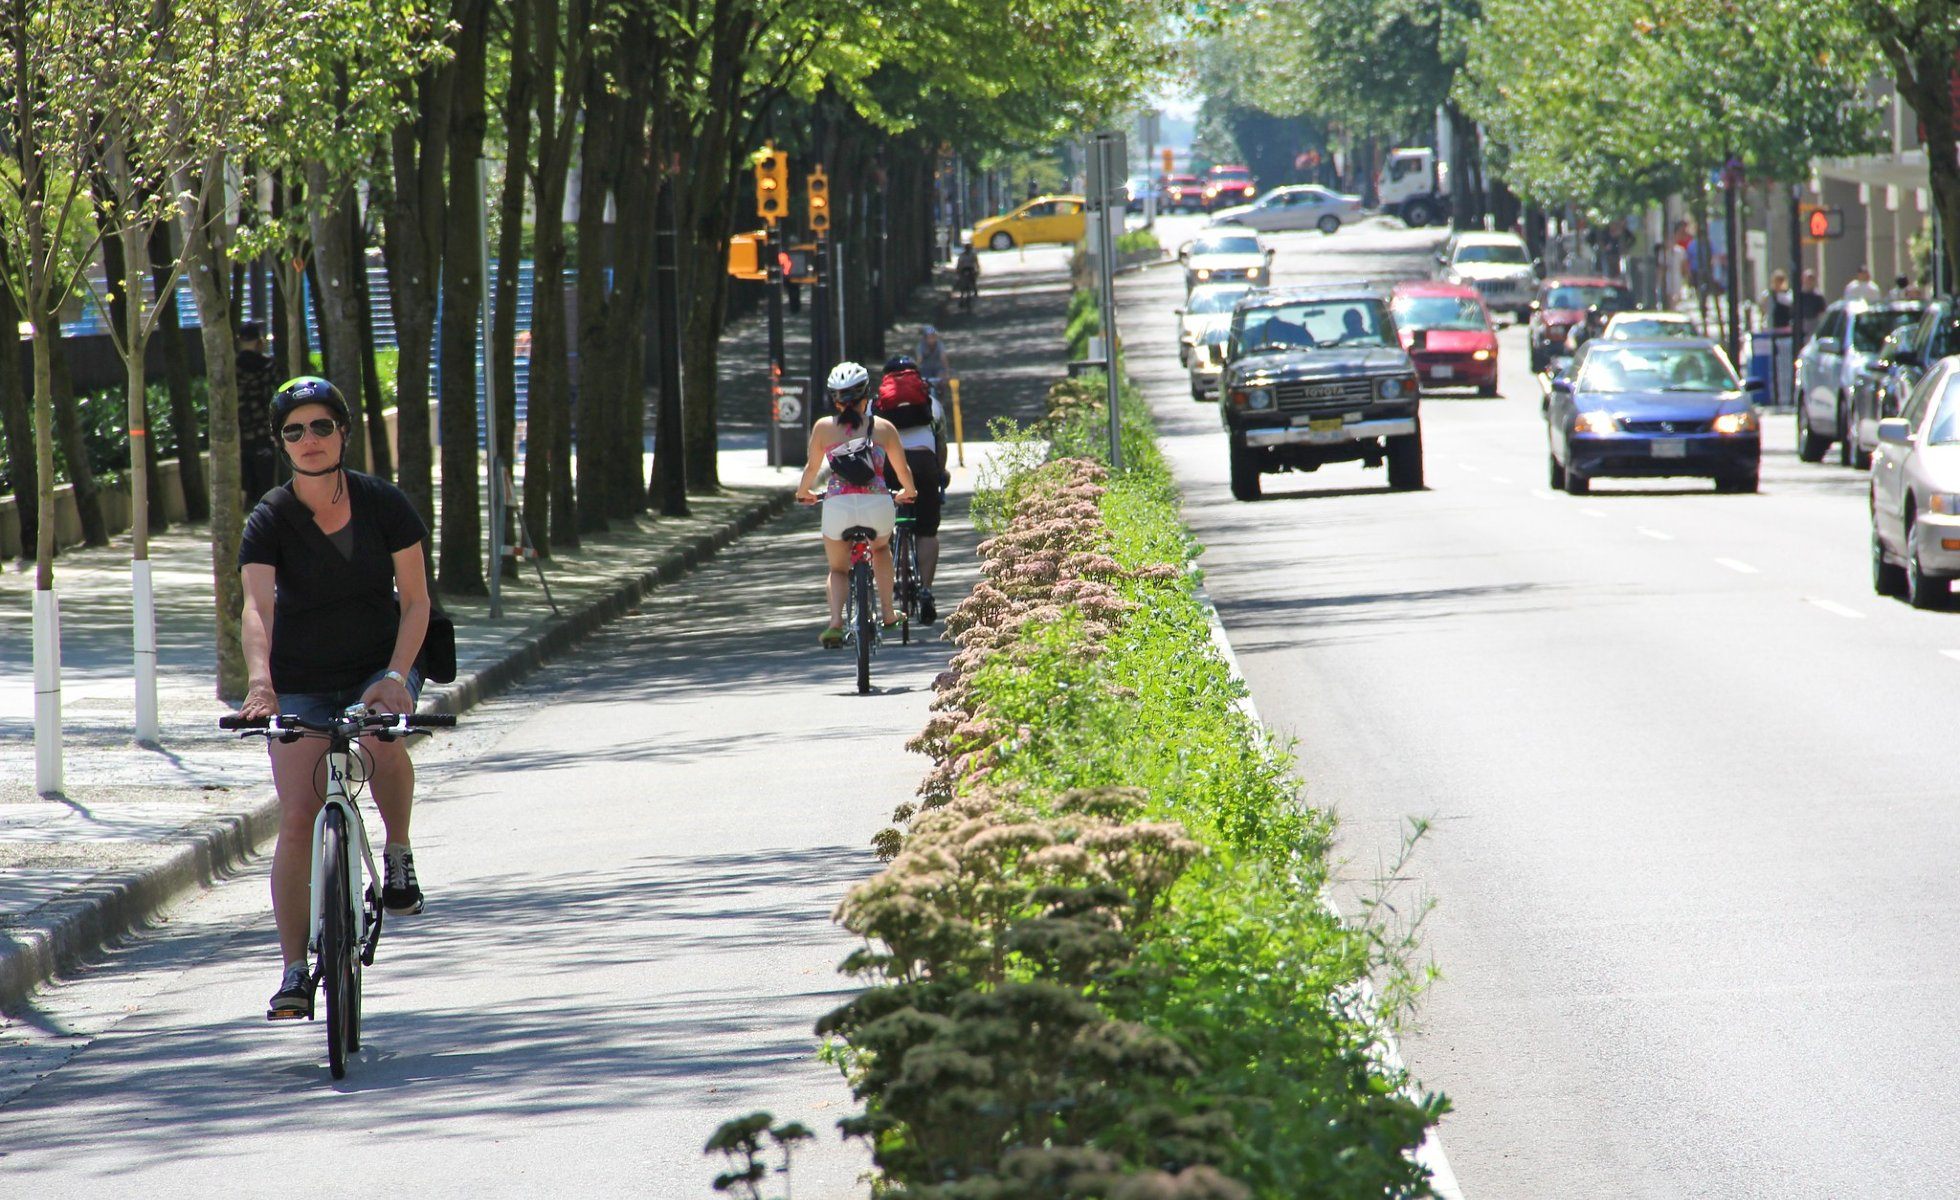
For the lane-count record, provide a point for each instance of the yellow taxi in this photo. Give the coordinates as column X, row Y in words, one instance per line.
column 1042, row 219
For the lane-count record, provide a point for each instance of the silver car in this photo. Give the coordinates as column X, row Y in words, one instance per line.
column 1226, row 256
column 1298, row 206
column 1208, row 361
column 1848, row 336
column 1916, row 493
column 1209, row 306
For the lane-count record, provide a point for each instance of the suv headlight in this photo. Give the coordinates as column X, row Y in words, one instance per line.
column 1737, row 422
column 1396, row 388
column 1595, row 423
column 1259, row 399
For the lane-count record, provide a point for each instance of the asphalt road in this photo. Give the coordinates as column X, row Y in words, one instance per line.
column 1688, row 778
column 631, row 862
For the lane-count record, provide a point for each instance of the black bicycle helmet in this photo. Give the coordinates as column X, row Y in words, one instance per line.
column 900, row 362
column 301, row 391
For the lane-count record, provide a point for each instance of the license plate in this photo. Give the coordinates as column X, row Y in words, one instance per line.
column 1325, row 425
column 1670, row 448
column 1443, row 372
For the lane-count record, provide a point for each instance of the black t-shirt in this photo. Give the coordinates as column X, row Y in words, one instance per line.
column 334, row 618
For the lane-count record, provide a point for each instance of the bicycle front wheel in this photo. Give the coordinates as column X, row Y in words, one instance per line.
column 867, row 626
column 337, row 946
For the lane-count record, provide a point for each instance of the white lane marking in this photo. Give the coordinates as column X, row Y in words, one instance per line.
column 1656, row 534
column 1953, row 654
column 1542, row 494
column 1739, row 567
column 1835, row 609
column 1500, row 479
column 1468, row 466
column 1591, row 512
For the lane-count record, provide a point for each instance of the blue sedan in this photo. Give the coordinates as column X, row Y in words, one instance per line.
column 1648, row 409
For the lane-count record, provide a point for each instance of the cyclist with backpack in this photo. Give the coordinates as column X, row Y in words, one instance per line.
column 906, row 400
column 857, row 446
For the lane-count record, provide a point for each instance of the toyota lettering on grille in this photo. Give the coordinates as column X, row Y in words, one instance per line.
column 1322, row 391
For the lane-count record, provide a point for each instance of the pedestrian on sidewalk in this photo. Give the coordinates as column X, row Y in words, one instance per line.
column 1861, row 286
column 1774, row 304
column 258, row 458
column 856, row 445
column 337, row 606
column 1810, row 302
column 1902, row 289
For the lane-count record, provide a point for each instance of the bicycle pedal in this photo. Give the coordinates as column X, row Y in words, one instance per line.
column 289, row 1014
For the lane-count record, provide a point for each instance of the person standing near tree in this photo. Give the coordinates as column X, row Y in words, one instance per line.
column 258, row 376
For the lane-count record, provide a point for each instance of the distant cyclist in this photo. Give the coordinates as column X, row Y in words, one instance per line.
column 966, row 271
column 850, row 433
column 931, row 359
column 906, row 401
column 336, row 606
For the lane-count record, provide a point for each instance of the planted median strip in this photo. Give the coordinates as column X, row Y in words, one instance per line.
column 1098, row 962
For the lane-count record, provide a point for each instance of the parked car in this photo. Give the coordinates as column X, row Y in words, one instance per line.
column 1317, row 375
column 1562, row 303
column 1184, row 193
column 1300, row 206
column 1497, row 264
column 1042, row 219
column 1225, row 256
column 1848, row 335
column 1226, row 185
column 1915, row 493
column 1447, row 331
column 1209, row 306
column 1903, row 359
column 1650, row 409
column 1641, row 326
column 1208, row 362
column 1139, row 188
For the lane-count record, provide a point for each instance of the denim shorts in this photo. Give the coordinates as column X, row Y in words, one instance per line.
column 321, row 707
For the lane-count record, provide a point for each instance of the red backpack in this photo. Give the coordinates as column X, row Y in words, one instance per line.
column 904, row 399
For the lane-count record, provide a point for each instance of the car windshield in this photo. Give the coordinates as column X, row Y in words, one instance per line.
column 1225, row 245
column 1214, row 299
column 1573, row 296
column 1656, row 369
column 1439, row 312
column 1313, row 324
column 1870, row 329
column 1490, row 253
column 1216, row 335
column 1634, row 331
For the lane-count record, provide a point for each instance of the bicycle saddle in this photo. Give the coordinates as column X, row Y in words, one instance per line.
column 861, row 531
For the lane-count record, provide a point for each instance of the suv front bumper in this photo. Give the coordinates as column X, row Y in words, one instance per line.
column 1350, row 431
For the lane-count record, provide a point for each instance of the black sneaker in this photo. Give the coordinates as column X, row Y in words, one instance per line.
column 928, row 613
column 400, row 894
column 294, row 999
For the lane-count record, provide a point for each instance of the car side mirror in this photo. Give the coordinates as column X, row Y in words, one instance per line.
column 1269, row 254
column 1537, row 269
column 1562, row 385
column 1419, row 341
column 1177, row 312
column 1894, row 431
column 1755, row 385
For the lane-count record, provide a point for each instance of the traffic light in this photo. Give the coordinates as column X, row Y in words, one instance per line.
column 1821, row 224
column 819, row 197
column 1168, row 160
column 771, row 184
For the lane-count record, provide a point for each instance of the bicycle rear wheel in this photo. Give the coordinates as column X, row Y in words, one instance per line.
column 905, row 564
column 867, row 627
column 337, row 947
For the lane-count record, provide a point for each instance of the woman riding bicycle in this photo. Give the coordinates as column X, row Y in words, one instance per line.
column 837, row 441
column 337, row 604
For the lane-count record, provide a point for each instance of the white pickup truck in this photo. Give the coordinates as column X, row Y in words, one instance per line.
column 1413, row 184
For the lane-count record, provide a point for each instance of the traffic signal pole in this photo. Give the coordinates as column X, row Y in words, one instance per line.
column 817, row 198
column 1796, row 284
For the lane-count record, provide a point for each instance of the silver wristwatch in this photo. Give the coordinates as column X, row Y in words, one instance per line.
column 397, row 676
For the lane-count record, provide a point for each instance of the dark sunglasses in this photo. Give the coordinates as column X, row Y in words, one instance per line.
column 320, row 428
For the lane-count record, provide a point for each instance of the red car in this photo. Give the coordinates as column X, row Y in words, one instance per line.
column 1228, row 185
column 1447, row 330
column 1562, row 303
column 1183, row 192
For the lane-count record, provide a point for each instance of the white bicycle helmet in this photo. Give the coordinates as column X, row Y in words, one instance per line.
column 848, row 383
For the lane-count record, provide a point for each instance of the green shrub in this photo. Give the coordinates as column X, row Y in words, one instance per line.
column 1138, row 241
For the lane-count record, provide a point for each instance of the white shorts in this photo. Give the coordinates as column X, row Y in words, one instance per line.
column 871, row 509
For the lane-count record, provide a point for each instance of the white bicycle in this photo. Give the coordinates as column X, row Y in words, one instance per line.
column 345, row 923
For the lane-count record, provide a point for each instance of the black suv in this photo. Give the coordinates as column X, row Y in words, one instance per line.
column 1317, row 375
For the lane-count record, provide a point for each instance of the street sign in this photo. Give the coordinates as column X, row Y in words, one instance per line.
column 1821, row 224
column 1113, row 149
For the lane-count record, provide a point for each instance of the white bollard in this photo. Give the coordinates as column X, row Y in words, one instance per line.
column 148, row 731
column 47, row 692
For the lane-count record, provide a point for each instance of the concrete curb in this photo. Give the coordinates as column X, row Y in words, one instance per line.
column 69, row 930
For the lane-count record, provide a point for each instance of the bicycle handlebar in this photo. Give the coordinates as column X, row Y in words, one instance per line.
column 375, row 721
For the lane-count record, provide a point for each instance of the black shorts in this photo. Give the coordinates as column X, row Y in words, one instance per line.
column 926, row 477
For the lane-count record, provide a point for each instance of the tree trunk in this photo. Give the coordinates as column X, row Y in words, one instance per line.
column 188, row 439
column 633, row 259
column 210, row 287
column 17, row 424
column 598, row 374
column 510, row 250
column 68, row 427
column 462, row 274
column 381, row 460
column 143, row 471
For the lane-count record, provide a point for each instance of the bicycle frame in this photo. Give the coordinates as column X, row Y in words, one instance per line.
column 339, row 761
